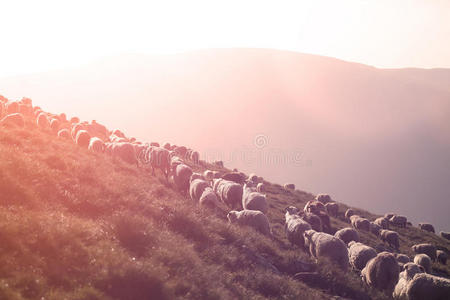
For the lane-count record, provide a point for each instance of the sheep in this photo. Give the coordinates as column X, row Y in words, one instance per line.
column 252, row 218
column 209, row 199
column 425, row 248
column 181, row 177
column 42, row 121
column 154, row 144
column 253, row 178
column 424, row 261
column 289, row 186
column 15, row 119
column 75, row 128
column 159, row 159
column 219, row 163
column 217, row 174
column 74, row 120
column 383, row 222
column 375, row 228
column 209, row 175
column 360, row 223
column 229, row 192
column 313, row 220
column 409, row 270
column 124, row 151
column 389, row 215
column 174, row 162
column 314, row 207
column 322, row 244
column 426, row 227
column 429, row 287
column 118, row 133
column 234, row 176
column 348, row 213
column 324, row 198
column 445, row 235
column 381, row 272
column 25, row 109
column 402, row 258
column 96, row 145
column 54, row 125
column 390, row 237
column 398, row 220
column 295, row 226
column 347, row 235
column 82, row 138
column 260, row 187
column 332, row 208
column 196, row 189
column 64, row 134
column 441, row 257
column 253, row 200
column 12, row 107
column 359, row 254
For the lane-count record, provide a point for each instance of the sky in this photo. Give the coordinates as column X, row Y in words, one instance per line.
column 46, row 35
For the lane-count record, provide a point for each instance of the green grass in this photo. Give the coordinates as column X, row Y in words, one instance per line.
column 78, row 225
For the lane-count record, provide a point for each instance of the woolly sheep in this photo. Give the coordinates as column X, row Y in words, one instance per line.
column 324, row 198
column 54, row 125
column 375, row 228
column 229, row 192
column 96, row 145
column 360, row 223
column 441, row 257
column 181, row 177
column 313, row 220
column 12, row 107
column 314, row 207
column 253, row 200
column 253, row 178
column 209, row 199
column 390, row 237
column 402, row 258
column 347, row 235
column 82, row 138
column 359, row 254
column 196, row 189
column 429, row 287
column 445, row 235
column 348, row 213
column 295, row 226
column 42, row 121
column 426, row 227
column 332, row 208
column 124, row 151
column 381, row 272
column 383, row 222
column 425, row 248
column 398, row 220
column 409, row 270
column 64, row 134
column 209, row 175
column 388, row 216
column 159, row 159
column 74, row 120
column 154, row 144
column 15, row 119
column 252, row 218
column 289, row 186
column 424, row 261
column 322, row 244
column 75, row 128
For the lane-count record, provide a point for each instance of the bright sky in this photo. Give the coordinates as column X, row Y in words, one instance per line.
column 44, row 35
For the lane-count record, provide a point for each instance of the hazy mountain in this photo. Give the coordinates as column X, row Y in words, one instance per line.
column 374, row 138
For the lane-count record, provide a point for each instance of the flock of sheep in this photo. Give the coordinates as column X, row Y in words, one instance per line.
column 243, row 198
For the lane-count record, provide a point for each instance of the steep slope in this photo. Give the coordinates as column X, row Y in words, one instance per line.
column 80, row 225
column 371, row 137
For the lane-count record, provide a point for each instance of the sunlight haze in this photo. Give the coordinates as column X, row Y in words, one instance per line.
column 45, row 35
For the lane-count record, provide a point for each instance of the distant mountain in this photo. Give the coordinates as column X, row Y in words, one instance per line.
column 372, row 138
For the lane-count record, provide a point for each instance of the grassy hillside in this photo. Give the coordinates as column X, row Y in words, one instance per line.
column 80, row 225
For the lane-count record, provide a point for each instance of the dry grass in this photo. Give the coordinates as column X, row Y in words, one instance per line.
column 78, row 225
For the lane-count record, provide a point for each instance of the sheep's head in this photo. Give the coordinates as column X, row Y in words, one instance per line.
column 411, row 269
column 292, row 210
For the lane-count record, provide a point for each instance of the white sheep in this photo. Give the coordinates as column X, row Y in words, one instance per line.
column 96, row 145
column 253, row 200
column 252, row 218
column 424, row 261
column 429, row 287
column 381, row 272
column 359, row 254
column 322, row 244
column 181, row 177
column 347, row 235
column 229, row 192
column 295, row 226
column 425, row 248
column 390, row 237
column 196, row 189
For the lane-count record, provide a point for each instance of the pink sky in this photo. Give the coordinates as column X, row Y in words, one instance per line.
column 46, row 35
